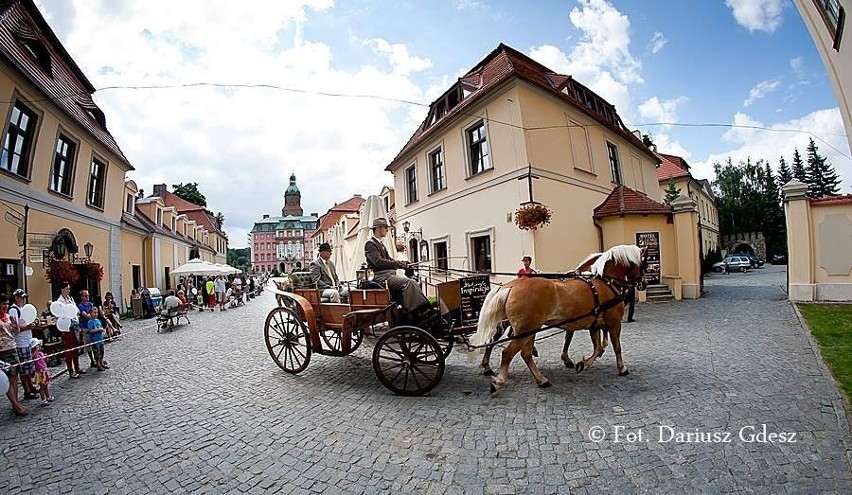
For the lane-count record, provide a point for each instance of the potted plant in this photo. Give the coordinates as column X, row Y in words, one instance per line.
column 532, row 216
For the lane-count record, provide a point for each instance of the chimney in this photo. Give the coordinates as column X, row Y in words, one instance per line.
column 314, row 214
column 160, row 190
column 140, row 194
column 265, row 216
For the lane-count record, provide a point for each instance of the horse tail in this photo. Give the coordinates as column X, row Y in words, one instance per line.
column 492, row 313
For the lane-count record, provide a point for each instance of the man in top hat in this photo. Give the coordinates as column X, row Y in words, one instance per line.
column 384, row 270
column 324, row 275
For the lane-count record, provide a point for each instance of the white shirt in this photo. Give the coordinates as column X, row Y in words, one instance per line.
column 22, row 339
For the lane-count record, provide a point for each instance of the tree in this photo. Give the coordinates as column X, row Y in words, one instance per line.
column 774, row 228
column 799, row 171
column 785, row 175
column 672, row 192
column 823, row 178
column 220, row 220
column 189, row 192
column 739, row 193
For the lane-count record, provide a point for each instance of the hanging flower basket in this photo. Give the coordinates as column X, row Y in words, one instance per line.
column 94, row 271
column 532, row 216
column 59, row 271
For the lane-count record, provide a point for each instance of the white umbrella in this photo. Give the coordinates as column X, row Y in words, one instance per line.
column 340, row 256
column 372, row 209
column 196, row 266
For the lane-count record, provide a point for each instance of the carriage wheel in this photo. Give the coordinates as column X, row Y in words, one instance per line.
column 287, row 340
column 334, row 341
column 408, row 361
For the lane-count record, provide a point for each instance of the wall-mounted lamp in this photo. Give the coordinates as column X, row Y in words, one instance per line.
column 88, row 248
column 406, row 228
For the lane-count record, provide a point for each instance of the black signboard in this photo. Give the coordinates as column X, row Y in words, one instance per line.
column 473, row 292
column 651, row 240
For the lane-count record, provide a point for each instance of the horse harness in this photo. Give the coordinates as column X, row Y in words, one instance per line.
column 617, row 287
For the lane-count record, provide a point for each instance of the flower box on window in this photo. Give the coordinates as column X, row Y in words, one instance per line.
column 532, row 216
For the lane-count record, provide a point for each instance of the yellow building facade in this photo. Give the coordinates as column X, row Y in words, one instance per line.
column 512, row 131
column 61, row 171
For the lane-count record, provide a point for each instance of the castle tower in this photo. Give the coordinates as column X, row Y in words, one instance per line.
column 292, row 199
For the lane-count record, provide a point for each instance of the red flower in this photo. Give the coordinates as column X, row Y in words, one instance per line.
column 532, row 216
column 59, row 271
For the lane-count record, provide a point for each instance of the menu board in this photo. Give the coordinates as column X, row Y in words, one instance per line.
column 650, row 240
column 473, row 292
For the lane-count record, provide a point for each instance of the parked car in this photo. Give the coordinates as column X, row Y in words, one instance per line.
column 755, row 261
column 779, row 259
column 734, row 263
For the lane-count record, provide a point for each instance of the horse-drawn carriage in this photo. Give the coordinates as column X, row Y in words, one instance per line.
column 409, row 357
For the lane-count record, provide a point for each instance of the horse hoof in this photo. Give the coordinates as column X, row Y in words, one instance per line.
column 488, row 372
column 624, row 373
column 568, row 363
column 580, row 366
column 494, row 389
column 545, row 384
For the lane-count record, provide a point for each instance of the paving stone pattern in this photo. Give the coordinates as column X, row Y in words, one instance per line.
column 203, row 409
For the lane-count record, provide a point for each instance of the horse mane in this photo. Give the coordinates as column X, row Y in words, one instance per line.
column 587, row 263
column 624, row 255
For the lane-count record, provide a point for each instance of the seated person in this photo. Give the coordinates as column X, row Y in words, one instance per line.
column 171, row 303
column 324, row 275
column 384, row 270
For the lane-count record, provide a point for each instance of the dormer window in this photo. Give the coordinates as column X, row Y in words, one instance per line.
column 159, row 217
column 38, row 52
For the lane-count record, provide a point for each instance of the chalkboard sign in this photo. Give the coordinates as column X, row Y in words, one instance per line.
column 473, row 292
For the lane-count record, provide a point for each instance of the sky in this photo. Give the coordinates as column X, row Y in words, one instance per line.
column 236, row 96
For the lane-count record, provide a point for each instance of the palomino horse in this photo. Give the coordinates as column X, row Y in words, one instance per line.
column 573, row 304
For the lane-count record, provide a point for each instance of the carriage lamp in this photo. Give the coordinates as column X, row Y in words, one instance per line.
column 88, row 248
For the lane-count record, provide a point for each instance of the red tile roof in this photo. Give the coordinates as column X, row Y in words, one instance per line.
column 62, row 82
column 671, row 167
column 497, row 67
column 351, row 205
column 625, row 201
column 191, row 210
column 832, row 200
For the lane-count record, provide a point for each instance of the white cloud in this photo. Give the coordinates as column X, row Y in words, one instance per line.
column 757, row 15
column 241, row 143
column 760, row 90
column 658, row 41
column 751, row 138
column 601, row 59
column 655, row 111
column 468, row 4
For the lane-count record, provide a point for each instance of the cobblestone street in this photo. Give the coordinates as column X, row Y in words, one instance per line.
column 204, row 409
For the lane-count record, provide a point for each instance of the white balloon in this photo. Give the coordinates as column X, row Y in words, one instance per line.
column 29, row 313
column 71, row 311
column 57, row 309
column 4, row 383
column 63, row 324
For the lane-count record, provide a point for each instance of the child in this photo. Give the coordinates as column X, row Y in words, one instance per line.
column 42, row 377
column 96, row 338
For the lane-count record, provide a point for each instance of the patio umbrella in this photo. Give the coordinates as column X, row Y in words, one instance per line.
column 196, row 266
column 372, row 209
column 339, row 254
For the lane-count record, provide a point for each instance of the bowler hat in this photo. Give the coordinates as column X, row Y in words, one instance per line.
column 324, row 247
column 380, row 222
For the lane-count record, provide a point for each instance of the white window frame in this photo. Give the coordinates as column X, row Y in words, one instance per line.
column 483, row 120
column 470, row 236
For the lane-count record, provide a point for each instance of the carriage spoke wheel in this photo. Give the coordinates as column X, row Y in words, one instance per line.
column 287, row 340
column 333, row 339
column 408, row 361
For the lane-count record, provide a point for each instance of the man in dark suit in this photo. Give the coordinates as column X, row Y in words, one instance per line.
column 384, row 270
column 324, row 275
